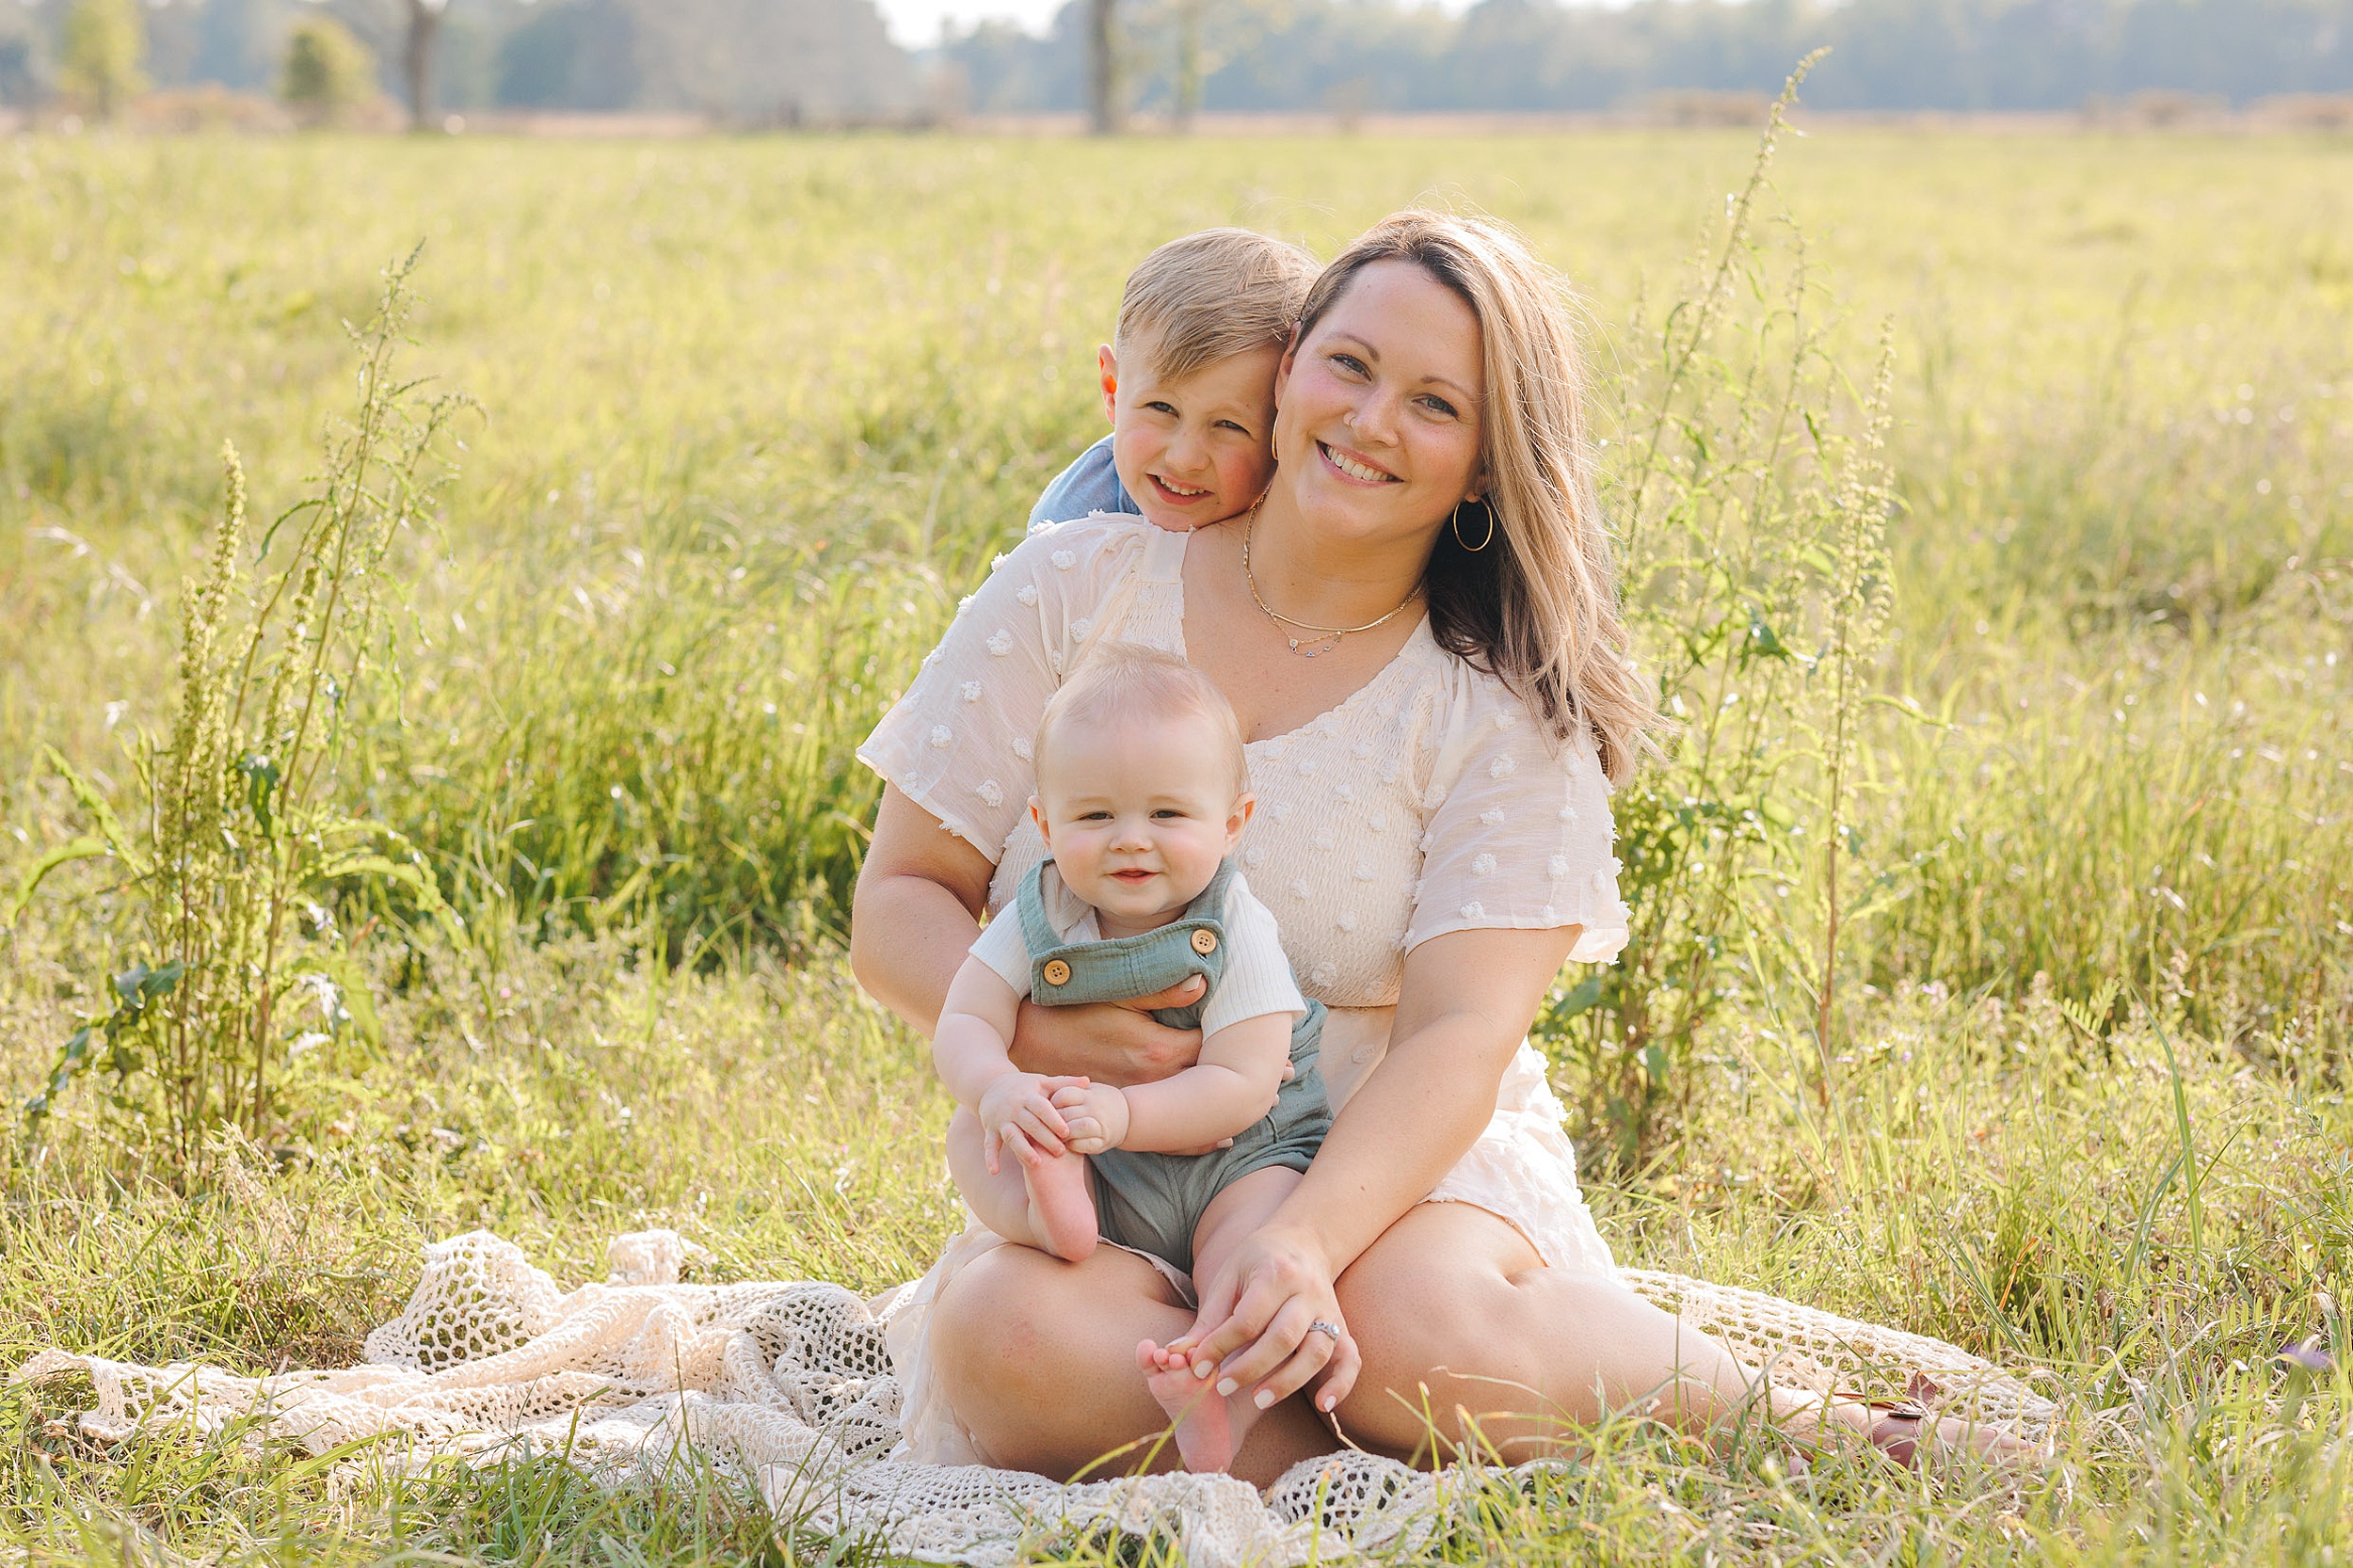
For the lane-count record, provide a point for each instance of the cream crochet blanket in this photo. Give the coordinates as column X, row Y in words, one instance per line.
column 789, row 1387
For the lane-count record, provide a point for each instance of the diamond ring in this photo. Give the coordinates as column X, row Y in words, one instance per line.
column 1319, row 1326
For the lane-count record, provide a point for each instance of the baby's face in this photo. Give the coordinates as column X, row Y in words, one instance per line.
column 1195, row 450
column 1139, row 813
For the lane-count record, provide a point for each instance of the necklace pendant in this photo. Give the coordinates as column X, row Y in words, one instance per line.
column 1329, row 637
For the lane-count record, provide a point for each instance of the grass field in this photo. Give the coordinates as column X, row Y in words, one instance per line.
column 755, row 412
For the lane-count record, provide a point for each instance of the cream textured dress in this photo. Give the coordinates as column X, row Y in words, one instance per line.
column 1428, row 802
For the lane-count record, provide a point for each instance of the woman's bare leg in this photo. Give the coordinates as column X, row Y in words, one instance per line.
column 1038, row 1359
column 1465, row 1335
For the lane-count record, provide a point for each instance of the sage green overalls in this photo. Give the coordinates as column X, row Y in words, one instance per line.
column 1153, row 1202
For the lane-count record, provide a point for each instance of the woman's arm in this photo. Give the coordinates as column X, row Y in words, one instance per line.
column 1467, row 1003
column 919, row 901
column 919, row 898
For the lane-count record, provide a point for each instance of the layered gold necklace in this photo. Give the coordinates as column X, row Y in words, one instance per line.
column 1321, row 639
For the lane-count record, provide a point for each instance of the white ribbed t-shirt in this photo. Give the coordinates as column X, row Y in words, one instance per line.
column 1257, row 978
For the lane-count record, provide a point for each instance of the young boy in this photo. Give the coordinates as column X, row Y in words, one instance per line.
column 1141, row 795
column 1189, row 383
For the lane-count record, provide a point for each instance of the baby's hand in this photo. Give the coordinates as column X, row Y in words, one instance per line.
column 1016, row 1112
column 1096, row 1114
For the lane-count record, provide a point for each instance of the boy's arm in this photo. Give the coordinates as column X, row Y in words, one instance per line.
column 1240, row 1073
column 1090, row 483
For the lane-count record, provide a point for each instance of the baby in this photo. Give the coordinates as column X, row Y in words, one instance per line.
column 1142, row 796
column 1189, row 383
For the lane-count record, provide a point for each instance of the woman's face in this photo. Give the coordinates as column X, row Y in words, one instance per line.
column 1378, row 428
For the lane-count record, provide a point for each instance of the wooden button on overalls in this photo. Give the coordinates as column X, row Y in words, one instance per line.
column 1057, row 972
column 1204, row 942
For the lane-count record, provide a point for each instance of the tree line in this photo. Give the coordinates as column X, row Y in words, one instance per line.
column 769, row 62
column 1175, row 57
column 742, row 61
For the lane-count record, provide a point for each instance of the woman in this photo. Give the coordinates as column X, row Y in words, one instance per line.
column 1417, row 627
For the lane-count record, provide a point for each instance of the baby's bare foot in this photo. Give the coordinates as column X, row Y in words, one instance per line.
column 1060, row 1210
column 1209, row 1426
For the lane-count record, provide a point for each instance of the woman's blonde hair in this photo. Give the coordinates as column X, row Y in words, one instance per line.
column 1539, row 611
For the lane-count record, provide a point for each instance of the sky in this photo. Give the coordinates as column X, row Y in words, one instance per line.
column 915, row 24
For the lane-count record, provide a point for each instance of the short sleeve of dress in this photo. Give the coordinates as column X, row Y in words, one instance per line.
column 1520, row 836
column 958, row 742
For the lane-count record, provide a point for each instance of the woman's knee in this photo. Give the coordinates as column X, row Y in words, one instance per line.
column 1443, row 1325
column 1436, row 1315
column 994, row 1327
column 1037, row 1356
column 1462, row 1326
column 1437, row 1288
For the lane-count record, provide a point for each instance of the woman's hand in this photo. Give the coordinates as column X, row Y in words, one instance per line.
column 1466, row 1004
column 1262, row 1323
column 1110, row 1042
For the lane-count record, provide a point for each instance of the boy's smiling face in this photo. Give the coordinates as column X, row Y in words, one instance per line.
column 1195, row 449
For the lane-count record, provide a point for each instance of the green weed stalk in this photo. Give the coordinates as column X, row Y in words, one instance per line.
column 239, row 969
column 1754, row 528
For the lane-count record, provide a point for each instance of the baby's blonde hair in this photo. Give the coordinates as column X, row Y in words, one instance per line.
column 1210, row 295
column 1125, row 680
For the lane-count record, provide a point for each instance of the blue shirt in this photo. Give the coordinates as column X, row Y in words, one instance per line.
column 1089, row 485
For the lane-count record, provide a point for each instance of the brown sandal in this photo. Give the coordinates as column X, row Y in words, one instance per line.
column 1897, row 1434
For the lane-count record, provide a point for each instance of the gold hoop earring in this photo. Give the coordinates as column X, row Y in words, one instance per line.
column 1484, row 541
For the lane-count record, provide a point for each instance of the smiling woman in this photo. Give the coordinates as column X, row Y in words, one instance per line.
column 1497, row 388
column 1433, row 833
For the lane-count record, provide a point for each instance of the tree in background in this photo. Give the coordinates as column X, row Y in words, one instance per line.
column 424, row 23
column 758, row 62
column 1105, row 111
column 327, row 73
column 1189, row 68
column 105, row 43
column 1197, row 39
column 581, row 55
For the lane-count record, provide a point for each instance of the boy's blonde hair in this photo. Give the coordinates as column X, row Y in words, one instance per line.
column 1124, row 680
column 1210, row 295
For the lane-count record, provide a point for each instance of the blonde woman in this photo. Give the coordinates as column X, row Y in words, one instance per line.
column 1418, row 629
